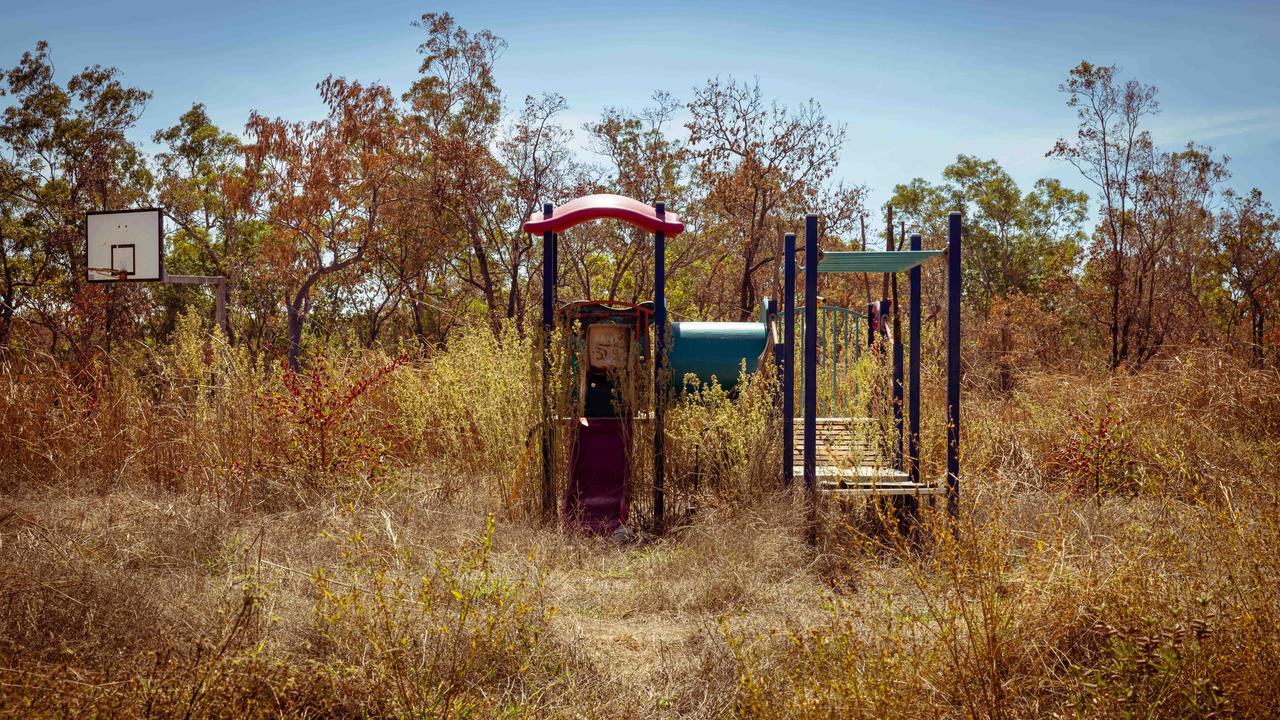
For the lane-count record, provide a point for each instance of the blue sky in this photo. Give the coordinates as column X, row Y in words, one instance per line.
column 915, row 85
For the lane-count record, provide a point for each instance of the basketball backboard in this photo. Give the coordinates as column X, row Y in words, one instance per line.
column 125, row 245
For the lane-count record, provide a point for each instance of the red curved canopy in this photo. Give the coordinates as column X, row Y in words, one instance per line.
column 604, row 205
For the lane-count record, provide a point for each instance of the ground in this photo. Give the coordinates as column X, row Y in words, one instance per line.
column 1114, row 556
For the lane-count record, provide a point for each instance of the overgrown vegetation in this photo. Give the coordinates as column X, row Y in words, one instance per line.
column 330, row 507
column 159, row 578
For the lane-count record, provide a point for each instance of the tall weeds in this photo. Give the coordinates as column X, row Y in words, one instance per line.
column 1109, row 561
column 186, row 533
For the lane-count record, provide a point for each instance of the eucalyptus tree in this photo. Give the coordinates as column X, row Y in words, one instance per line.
column 67, row 151
column 1107, row 150
column 1248, row 248
column 761, row 164
column 322, row 188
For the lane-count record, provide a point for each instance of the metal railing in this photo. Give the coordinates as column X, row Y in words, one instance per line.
column 839, row 350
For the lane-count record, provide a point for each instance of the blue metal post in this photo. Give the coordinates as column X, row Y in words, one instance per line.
column 788, row 358
column 810, row 356
column 548, row 325
column 659, row 357
column 895, row 337
column 954, row 228
column 913, row 372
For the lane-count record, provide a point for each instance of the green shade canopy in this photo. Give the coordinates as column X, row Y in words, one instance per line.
column 874, row 261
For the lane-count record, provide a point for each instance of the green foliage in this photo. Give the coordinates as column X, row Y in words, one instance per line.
column 1149, row 670
column 67, row 153
column 722, row 446
column 1014, row 243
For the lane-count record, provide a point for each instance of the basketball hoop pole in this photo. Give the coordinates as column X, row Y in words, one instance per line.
column 219, row 283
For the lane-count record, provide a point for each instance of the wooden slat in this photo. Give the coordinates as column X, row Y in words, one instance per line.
column 921, row 490
column 849, row 462
column 858, row 473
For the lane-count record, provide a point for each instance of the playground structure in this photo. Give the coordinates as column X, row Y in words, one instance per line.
column 849, row 467
column 613, row 345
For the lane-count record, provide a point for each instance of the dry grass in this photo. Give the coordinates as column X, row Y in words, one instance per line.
column 170, row 545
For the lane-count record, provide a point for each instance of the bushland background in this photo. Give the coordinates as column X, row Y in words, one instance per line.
column 324, row 508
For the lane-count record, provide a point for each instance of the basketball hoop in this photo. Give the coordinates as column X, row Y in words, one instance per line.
column 119, row 274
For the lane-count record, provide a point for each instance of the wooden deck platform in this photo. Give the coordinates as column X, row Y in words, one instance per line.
column 850, row 462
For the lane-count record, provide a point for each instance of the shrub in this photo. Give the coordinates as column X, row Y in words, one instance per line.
column 1096, row 458
column 469, row 410
column 315, row 434
column 722, row 447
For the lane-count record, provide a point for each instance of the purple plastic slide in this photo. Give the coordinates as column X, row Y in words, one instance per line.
column 599, row 475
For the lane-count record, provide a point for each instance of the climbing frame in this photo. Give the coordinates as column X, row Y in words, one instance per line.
column 842, row 454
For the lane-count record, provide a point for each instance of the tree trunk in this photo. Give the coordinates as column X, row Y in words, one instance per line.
column 746, row 290
column 296, row 316
column 419, row 329
column 1257, row 327
column 486, row 282
column 6, row 320
column 1115, row 313
column 8, row 299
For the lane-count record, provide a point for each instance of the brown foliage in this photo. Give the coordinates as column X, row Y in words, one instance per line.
column 320, row 186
